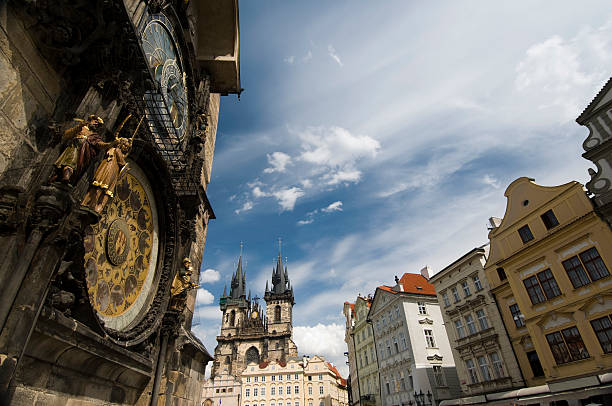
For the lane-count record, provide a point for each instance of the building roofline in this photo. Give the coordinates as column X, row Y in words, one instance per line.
column 463, row 258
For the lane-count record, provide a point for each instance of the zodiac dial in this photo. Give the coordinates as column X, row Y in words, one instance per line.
column 121, row 253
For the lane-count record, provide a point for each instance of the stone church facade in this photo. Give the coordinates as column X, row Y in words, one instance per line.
column 247, row 334
column 108, row 120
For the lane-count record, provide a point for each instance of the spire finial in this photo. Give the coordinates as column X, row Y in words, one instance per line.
column 241, row 245
column 280, row 245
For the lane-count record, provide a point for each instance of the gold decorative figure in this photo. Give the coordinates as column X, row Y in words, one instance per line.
column 109, row 171
column 82, row 144
column 181, row 285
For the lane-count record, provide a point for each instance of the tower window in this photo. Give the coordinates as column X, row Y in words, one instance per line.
column 233, row 318
column 277, row 313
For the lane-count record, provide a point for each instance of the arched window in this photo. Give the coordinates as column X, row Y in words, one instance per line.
column 277, row 313
column 233, row 318
column 228, row 360
column 252, row 355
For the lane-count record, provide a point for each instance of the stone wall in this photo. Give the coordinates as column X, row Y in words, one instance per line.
column 29, row 89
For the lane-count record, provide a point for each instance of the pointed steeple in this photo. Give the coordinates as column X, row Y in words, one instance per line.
column 238, row 282
column 280, row 277
column 224, row 290
column 267, row 289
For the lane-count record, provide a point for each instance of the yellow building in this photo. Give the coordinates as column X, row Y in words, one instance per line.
column 549, row 270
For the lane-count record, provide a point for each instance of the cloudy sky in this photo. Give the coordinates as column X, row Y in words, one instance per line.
column 376, row 138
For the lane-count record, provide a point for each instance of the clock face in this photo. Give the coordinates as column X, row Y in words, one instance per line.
column 254, row 315
column 164, row 61
column 121, row 253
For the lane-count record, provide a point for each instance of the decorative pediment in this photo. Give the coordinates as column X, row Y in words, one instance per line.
column 434, row 357
column 426, row 320
column 598, row 304
column 555, row 319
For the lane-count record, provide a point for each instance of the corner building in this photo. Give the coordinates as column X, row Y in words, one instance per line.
column 247, row 334
column 108, row 122
column 549, row 269
column 415, row 361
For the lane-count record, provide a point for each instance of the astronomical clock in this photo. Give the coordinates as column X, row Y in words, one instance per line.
column 121, row 253
column 121, row 260
column 166, row 108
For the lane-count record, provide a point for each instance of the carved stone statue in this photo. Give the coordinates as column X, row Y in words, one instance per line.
column 181, row 285
column 82, row 144
column 103, row 185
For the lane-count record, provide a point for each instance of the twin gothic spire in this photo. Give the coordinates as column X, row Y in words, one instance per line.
column 281, row 286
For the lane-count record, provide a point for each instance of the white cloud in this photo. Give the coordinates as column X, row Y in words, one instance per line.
column 287, row 197
column 557, row 75
column 307, row 57
column 208, row 312
column 332, row 52
column 257, row 192
column 335, row 146
column 204, row 297
column 304, row 222
column 278, row 162
column 306, row 183
column 335, row 206
column 289, row 60
column 209, row 275
column 248, row 205
column 322, row 339
column 350, row 176
column 490, row 180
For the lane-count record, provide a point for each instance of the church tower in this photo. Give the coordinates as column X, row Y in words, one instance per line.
column 234, row 306
column 247, row 335
column 279, row 310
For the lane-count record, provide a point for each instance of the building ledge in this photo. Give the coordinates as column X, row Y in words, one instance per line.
column 217, row 44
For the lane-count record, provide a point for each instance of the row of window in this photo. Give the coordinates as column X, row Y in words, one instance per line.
column 361, row 336
column 363, row 358
column 484, row 365
column 273, row 389
column 581, row 269
column 296, row 403
column 397, row 346
column 550, row 221
column 275, row 377
column 465, row 287
column 471, row 324
column 382, row 323
column 566, row 345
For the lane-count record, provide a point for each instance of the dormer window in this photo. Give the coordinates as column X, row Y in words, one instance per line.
column 525, row 234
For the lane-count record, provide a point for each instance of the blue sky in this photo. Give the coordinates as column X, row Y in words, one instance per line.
column 376, row 138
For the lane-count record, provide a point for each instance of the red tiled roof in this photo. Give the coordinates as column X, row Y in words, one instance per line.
column 343, row 382
column 264, row 364
column 413, row 283
column 335, row 371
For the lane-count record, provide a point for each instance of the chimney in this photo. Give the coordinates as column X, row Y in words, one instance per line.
column 425, row 272
column 494, row 222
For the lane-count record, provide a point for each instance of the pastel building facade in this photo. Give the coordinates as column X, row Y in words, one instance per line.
column 298, row 382
column 549, row 269
column 363, row 363
column 412, row 348
column 482, row 351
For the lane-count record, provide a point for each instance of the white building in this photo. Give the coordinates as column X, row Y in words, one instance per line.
column 222, row 390
column 415, row 361
column 305, row 382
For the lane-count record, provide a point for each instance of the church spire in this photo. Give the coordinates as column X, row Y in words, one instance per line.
column 238, row 286
column 280, row 277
